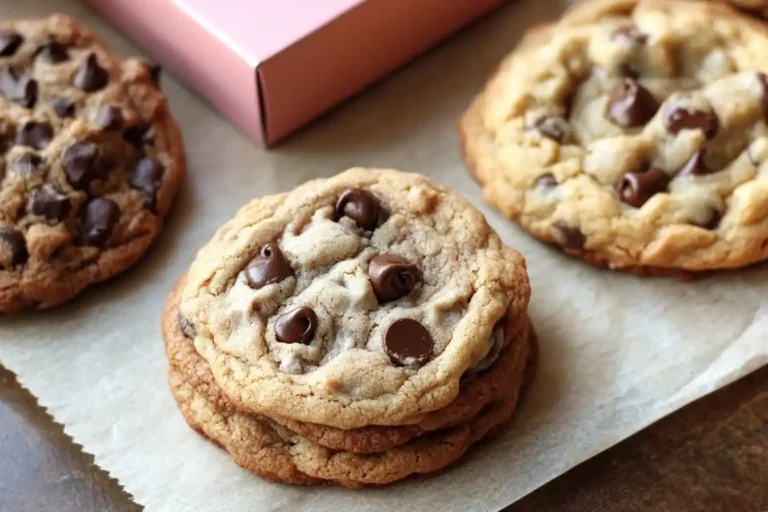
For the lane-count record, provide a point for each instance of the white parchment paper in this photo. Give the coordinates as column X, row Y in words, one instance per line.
column 617, row 352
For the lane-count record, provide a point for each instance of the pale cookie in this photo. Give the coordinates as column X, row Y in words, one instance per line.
column 90, row 160
column 357, row 300
column 632, row 134
column 479, row 388
column 274, row 452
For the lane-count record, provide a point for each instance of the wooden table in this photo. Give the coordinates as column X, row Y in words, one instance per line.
column 710, row 456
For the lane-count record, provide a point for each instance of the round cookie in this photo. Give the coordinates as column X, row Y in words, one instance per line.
column 632, row 134
column 90, row 161
column 352, row 301
column 479, row 388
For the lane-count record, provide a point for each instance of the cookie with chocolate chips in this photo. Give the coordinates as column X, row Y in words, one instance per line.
column 90, row 161
column 664, row 167
column 355, row 301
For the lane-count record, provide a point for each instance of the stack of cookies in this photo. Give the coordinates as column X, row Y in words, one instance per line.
column 355, row 331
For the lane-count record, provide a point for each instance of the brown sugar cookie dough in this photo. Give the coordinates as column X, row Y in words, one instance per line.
column 632, row 134
column 358, row 300
column 90, row 161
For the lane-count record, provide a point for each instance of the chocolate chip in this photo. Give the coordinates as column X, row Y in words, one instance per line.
column 568, row 236
column 763, row 79
column 99, row 219
column 546, row 181
column 9, row 42
column 552, row 127
column 635, row 188
column 26, row 164
column 296, row 326
column 91, row 76
column 51, row 205
column 34, row 134
column 146, row 177
column 154, row 73
column 52, row 52
column 631, row 104
column 14, row 240
column 360, row 206
column 19, row 88
column 270, row 266
column 679, row 118
column 186, row 327
column 82, row 163
column 138, row 136
column 63, row 107
column 392, row 277
column 695, row 165
column 406, row 341
column 630, row 35
column 109, row 117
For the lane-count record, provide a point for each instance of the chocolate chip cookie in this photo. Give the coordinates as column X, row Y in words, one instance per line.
column 90, row 160
column 353, row 301
column 633, row 134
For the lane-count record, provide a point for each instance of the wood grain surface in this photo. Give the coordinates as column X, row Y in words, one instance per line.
column 710, row 456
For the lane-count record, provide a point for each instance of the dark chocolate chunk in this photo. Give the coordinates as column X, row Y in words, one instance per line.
column 406, row 340
column 82, row 163
column 14, row 241
column 392, row 276
column 296, row 326
column 555, row 128
column 546, row 181
column 679, row 118
column 63, row 107
column 630, row 35
column 138, row 136
column 9, row 42
column 270, row 266
column 146, row 177
column 52, row 52
column 17, row 87
column 109, row 117
column 91, row 76
column 635, row 188
column 763, row 79
column 155, row 71
column 360, row 206
column 99, row 219
column 631, row 104
column 695, row 166
column 34, row 134
column 26, row 164
column 569, row 236
column 51, row 205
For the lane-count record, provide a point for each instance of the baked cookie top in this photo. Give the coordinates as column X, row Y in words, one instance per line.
column 90, row 160
column 633, row 132
column 356, row 300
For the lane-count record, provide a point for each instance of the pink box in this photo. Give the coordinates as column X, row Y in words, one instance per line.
column 271, row 66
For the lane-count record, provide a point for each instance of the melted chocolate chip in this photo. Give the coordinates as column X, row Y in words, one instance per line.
column 631, row 104
column 14, row 241
column 82, row 163
column 155, row 71
column 109, row 117
column 546, row 181
column 360, row 206
column 679, row 118
column 630, row 35
column 695, row 166
column 9, row 42
column 569, row 236
column 91, row 76
column 392, row 277
column 63, row 107
column 26, row 164
column 19, row 88
column 763, row 80
column 146, row 177
column 99, row 219
column 296, row 326
column 635, row 188
column 51, row 205
column 270, row 266
column 34, row 134
column 406, row 340
column 555, row 128
column 52, row 52
column 138, row 136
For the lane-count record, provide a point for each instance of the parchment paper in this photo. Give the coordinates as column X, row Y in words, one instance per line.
column 617, row 352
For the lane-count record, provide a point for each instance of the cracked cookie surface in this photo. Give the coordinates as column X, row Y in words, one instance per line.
column 352, row 301
column 632, row 134
column 90, row 160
